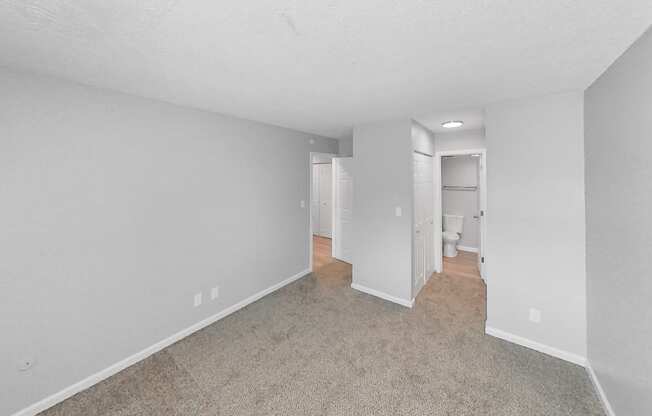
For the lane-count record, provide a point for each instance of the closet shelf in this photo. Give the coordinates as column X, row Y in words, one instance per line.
column 459, row 188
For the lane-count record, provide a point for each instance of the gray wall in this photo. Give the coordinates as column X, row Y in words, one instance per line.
column 459, row 140
column 383, row 180
column 116, row 210
column 345, row 147
column 463, row 171
column 618, row 120
column 535, row 220
column 423, row 140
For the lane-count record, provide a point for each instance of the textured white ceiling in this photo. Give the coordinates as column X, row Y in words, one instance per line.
column 322, row 66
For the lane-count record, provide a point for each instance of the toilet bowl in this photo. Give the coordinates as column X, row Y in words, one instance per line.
column 450, row 243
column 452, row 232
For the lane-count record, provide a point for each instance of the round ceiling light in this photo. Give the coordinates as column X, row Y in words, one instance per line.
column 452, row 124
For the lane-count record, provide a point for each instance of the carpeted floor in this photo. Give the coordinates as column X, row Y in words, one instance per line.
column 317, row 347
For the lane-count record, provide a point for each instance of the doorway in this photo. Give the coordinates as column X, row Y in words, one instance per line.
column 321, row 209
column 331, row 210
column 460, row 208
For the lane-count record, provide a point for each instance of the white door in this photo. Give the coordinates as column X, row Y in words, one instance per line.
column 424, row 256
column 314, row 199
column 483, row 214
column 325, row 200
column 343, row 208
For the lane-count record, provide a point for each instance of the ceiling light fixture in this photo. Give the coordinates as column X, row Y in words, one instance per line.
column 452, row 124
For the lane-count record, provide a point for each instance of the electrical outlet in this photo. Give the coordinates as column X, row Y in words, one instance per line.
column 302, row 203
column 197, row 300
column 398, row 211
column 215, row 292
column 535, row 315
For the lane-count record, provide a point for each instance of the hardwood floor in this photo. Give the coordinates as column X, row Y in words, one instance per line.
column 465, row 264
column 321, row 252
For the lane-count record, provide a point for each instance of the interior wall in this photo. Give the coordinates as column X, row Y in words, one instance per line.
column 382, row 183
column 116, row 210
column 423, row 139
column 345, row 147
column 535, row 221
column 618, row 239
column 461, row 140
column 463, row 171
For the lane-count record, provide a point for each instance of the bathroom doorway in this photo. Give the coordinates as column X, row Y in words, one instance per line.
column 460, row 211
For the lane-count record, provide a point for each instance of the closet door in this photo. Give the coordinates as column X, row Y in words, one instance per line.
column 423, row 257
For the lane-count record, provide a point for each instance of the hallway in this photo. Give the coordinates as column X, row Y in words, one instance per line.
column 465, row 264
column 321, row 252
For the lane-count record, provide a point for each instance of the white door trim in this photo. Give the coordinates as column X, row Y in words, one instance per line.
column 439, row 261
column 308, row 202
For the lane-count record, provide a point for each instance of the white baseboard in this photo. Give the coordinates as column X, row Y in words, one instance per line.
column 546, row 349
column 139, row 356
column 469, row 249
column 609, row 411
column 383, row 295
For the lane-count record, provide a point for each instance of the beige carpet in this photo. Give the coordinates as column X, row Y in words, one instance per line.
column 317, row 347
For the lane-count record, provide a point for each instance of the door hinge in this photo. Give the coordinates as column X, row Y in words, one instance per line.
column 482, row 259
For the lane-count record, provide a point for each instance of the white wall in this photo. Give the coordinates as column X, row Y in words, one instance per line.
column 463, row 171
column 618, row 234
column 345, row 147
column 460, row 140
column 383, row 181
column 116, row 210
column 535, row 220
column 423, row 140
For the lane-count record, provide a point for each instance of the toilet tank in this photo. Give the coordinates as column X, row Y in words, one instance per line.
column 453, row 223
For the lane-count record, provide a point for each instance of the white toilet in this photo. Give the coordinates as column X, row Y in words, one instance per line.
column 453, row 225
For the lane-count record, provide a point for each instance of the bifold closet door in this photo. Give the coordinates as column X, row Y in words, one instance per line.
column 423, row 256
column 343, row 209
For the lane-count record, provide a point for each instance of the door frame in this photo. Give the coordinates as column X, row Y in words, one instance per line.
column 309, row 202
column 437, row 183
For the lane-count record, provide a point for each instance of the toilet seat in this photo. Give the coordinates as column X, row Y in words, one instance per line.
column 451, row 236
